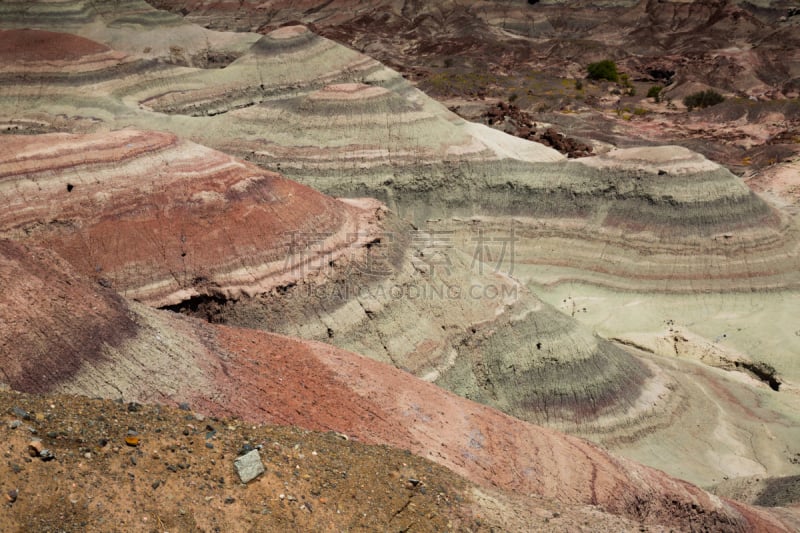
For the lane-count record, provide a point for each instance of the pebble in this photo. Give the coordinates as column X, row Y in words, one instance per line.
column 156, row 484
column 132, row 438
column 12, row 495
column 47, row 455
column 229, row 500
column 35, row 447
column 14, row 424
column 22, row 413
column 183, row 406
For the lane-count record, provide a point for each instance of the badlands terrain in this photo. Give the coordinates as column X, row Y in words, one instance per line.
column 409, row 253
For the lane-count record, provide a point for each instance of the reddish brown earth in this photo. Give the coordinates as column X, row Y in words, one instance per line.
column 161, row 220
column 50, row 315
column 180, row 476
column 37, row 45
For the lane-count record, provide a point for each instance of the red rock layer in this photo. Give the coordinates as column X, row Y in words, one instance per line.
column 163, row 220
column 265, row 377
column 36, row 45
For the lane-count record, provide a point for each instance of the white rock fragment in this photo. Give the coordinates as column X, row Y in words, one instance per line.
column 249, row 466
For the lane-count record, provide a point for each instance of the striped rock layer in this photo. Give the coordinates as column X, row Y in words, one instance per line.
column 162, row 220
column 262, row 377
column 173, row 224
column 651, row 219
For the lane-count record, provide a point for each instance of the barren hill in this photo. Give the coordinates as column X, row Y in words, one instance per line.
column 280, row 183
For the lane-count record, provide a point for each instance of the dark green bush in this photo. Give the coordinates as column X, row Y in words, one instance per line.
column 603, row 70
column 703, row 99
column 654, row 92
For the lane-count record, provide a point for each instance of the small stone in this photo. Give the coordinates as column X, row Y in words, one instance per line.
column 134, row 407
column 229, row 500
column 88, row 455
column 47, row 455
column 14, row 424
column 12, row 495
column 183, row 406
column 132, row 438
column 134, row 461
column 210, row 445
column 22, row 413
column 156, row 484
column 35, row 447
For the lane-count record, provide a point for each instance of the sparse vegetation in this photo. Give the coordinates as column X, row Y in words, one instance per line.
column 703, row 99
column 654, row 92
column 603, row 70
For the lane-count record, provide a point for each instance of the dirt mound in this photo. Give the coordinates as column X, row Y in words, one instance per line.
column 180, row 474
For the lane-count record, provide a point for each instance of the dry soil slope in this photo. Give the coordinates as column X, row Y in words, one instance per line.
column 261, row 377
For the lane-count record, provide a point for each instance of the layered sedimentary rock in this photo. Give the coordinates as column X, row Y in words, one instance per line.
column 342, row 123
column 347, row 125
column 261, row 377
column 176, row 225
column 133, row 28
column 163, row 220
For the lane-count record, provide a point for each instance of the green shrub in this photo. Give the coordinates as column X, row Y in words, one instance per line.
column 703, row 99
column 654, row 92
column 603, row 70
